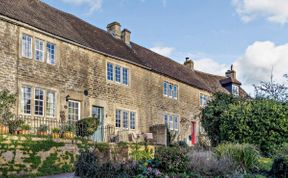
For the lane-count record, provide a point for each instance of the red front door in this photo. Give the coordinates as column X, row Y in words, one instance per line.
column 193, row 133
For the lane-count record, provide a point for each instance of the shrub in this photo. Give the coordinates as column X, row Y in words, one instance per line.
column 67, row 128
column 245, row 155
column 205, row 163
column 260, row 122
column 86, row 127
column 56, row 130
column 42, row 128
column 26, row 127
column 172, row 159
column 87, row 165
column 141, row 155
column 14, row 125
column 280, row 166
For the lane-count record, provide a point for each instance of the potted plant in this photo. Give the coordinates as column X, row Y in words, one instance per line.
column 4, row 129
column 56, row 133
column 25, row 128
column 68, row 131
column 42, row 130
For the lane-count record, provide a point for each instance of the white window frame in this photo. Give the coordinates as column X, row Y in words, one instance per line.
column 39, row 101
column 79, row 110
column 123, row 76
column 48, row 107
column 118, row 68
column 170, row 121
column 132, row 121
column 110, row 74
column 49, row 55
column 27, row 51
column 125, row 120
column 37, row 46
column 118, row 115
column 235, row 90
column 24, row 99
column 169, row 90
column 165, row 88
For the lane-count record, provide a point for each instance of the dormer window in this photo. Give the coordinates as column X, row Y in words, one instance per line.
column 235, row 90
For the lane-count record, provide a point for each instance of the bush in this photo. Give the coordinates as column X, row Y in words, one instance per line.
column 26, row 127
column 245, row 155
column 86, row 127
column 56, row 130
column 42, row 128
column 258, row 122
column 14, row 125
column 205, row 163
column 140, row 155
column 88, row 165
column 172, row 159
column 280, row 166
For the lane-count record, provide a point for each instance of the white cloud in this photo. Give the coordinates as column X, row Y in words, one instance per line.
column 211, row 66
column 92, row 5
column 164, row 51
column 273, row 10
column 260, row 60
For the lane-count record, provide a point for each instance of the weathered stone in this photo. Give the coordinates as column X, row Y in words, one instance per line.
column 8, row 156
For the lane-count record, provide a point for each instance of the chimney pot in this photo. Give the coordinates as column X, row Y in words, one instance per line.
column 189, row 63
column 126, row 36
column 114, row 28
column 231, row 73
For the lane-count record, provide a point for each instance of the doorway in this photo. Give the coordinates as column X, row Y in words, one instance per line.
column 98, row 113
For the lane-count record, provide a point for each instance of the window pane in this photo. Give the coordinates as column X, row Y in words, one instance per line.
column 125, row 119
column 132, row 120
column 175, row 93
column 51, row 104
column 50, row 53
column 166, row 119
column 118, row 118
column 125, row 76
column 39, row 101
column 110, row 71
column 170, row 90
column 176, row 125
column 26, row 100
column 39, row 50
column 118, row 73
column 27, row 46
column 73, row 111
column 171, row 122
column 165, row 88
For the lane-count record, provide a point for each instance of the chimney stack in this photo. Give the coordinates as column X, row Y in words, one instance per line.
column 231, row 73
column 114, row 29
column 189, row 63
column 125, row 36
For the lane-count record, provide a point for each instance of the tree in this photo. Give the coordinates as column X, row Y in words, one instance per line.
column 272, row 90
column 262, row 122
column 7, row 102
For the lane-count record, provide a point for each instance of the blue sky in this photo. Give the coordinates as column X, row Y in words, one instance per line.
column 251, row 34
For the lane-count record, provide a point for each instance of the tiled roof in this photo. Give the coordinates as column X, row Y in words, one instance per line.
column 44, row 17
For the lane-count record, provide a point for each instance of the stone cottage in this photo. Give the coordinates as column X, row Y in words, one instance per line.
column 63, row 69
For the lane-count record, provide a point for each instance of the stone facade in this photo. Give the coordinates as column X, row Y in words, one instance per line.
column 78, row 69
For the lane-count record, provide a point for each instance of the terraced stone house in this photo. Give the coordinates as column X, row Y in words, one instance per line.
column 64, row 69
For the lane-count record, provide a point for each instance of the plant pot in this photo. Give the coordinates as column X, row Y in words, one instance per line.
column 23, row 132
column 55, row 135
column 68, row 135
column 4, row 130
column 42, row 133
